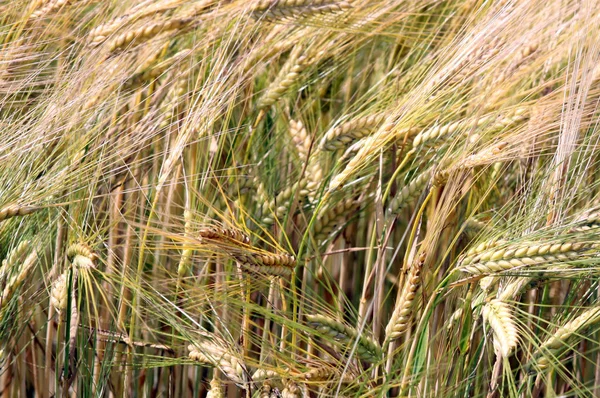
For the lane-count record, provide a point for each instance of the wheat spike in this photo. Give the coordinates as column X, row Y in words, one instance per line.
column 13, row 283
column 493, row 124
column 329, row 373
column 148, row 31
column 523, row 255
column 348, row 132
column 212, row 354
column 400, row 319
column 50, row 7
column 291, row 390
column 330, row 218
column 101, row 32
column 281, row 203
column 82, row 256
column 301, row 139
column 281, row 265
column 497, row 314
column 224, row 235
column 288, row 76
column 410, row 191
column 282, row 9
column 58, row 294
column 559, row 340
column 14, row 256
column 367, row 349
column 16, row 210
column 216, row 389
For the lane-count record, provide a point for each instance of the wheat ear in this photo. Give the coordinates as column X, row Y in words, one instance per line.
column 559, row 340
column 277, row 264
column 400, row 319
column 281, row 203
column 58, row 294
column 147, row 32
column 348, row 132
column 433, row 134
column 13, row 283
column 212, row 354
column 288, row 76
column 525, row 254
column 301, row 139
column 366, row 349
column 82, row 256
column 282, row 9
column 224, row 235
column 50, row 7
column 330, row 218
column 216, row 388
column 497, row 314
column 100, row 33
column 14, row 256
column 410, row 191
column 16, row 210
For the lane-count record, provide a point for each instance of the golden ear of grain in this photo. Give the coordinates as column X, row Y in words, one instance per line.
column 366, row 349
column 82, row 256
column 16, row 280
column 348, row 132
column 16, row 210
column 525, row 255
column 400, row 319
column 329, row 373
column 281, row 203
column 497, row 314
column 560, row 339
column 330, row 218
column 224, row 234
column 410, row 191
column 212, row 354
column 50, row 7
column 301, row 139
column 147, row 32
column 285, row 9
column 12, row 258
column 281, row 265
column 217, row 390
column 58, row 294
column 490, row 122
column 287, row 77
column 291, row 390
